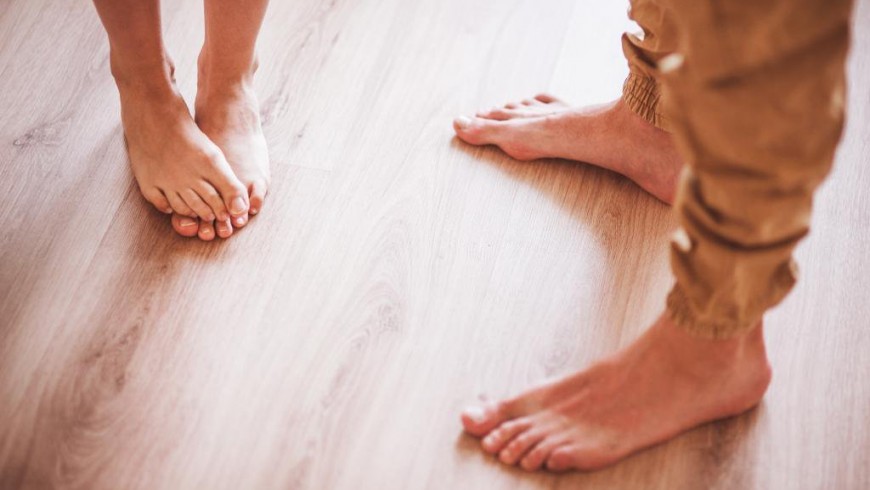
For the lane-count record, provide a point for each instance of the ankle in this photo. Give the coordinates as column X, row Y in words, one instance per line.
column 224, row 77
column 706, row 357
column 155, row 76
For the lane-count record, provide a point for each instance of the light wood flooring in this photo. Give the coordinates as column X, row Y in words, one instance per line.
column 394, row 275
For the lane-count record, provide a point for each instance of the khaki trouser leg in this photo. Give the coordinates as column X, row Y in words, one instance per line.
column 641, row 91
column 755, row 97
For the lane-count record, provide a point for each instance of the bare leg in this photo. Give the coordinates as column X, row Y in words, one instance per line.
column 610, row 136
column 227, row 109
column 664, row 383
column 176, row 166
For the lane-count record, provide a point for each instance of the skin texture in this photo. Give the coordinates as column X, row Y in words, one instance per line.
column 211, row 173
column 609, row 136
column 664, row 383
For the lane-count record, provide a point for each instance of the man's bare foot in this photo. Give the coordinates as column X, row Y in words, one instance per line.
column 664, row 383
column 178, row 169
column 228, row 112
column 610, row 136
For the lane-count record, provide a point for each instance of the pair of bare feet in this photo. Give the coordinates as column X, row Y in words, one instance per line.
column 664, row 383
column 211, row 172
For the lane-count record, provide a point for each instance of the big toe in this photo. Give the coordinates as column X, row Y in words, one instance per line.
column 477, row 131
column 184, row 226
column 480, row 420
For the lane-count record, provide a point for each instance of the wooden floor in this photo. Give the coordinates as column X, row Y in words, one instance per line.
column 394, row 275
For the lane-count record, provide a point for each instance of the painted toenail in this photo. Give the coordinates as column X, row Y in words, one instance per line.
column 476, row 414
column 186, row 222
column 463, row 122
column 237, row 206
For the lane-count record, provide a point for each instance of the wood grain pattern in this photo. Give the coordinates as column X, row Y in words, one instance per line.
column 394, row 275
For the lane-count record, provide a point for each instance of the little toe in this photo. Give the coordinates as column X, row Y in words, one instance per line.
column 519, row 446
column 206, row 231
column 184, row 225
column 224, row 228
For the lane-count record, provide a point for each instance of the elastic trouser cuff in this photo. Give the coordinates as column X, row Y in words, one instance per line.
column 642, row 95
column 680, row 311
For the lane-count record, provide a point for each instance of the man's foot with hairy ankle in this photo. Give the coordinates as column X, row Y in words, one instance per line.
column 178, row 169
column 610, row 136
column 664, row 383
column 228, row 112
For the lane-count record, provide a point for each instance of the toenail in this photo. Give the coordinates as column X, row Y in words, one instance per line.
column 254, row 211
column 186, row 222
column 237, row 206
column 476, row 414
column 463, row 122
column 240, row 221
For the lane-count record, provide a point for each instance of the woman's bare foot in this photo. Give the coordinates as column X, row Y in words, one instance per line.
column 228, row 112
column 663, row 384
column 609, row 136
column 178, row 169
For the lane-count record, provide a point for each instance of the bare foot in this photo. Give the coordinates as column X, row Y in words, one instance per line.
column 664, row 383
column 178, row 169
column 228, row 112
column 610, row 136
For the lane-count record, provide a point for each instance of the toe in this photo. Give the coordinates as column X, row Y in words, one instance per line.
column 206, row 230
column 562, row 459
column 239, row 221
column 233, row 193
column 155, row 197
column 211, row 197
column 519, row 446
column 546, row 98
column 476, row 131
column 537, row 456
column 496, row 441
column 481, row 420
column 257, row 190
column 198, row 206
column 178, row 205
column 184, row 225
column 496, row 114
column 224, row 228
column 235, row 198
